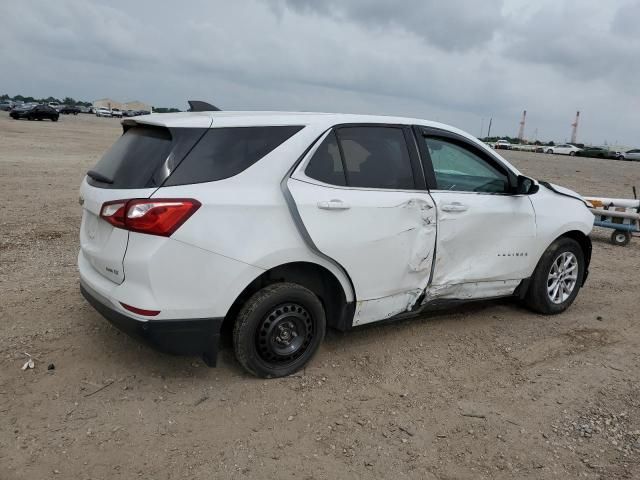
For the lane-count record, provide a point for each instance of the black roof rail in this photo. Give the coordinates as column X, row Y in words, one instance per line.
column 200, row 106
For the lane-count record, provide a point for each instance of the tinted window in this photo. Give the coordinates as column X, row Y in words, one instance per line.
column 225, row 152
column 326, row 163
column 144, row 156
column 460, row 169
column 376, row 157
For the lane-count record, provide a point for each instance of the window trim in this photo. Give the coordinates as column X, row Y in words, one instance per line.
column 420, row 184
column 422, row 132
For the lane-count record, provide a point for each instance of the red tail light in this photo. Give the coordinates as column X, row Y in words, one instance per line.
column 140, row 311
column 152, row 216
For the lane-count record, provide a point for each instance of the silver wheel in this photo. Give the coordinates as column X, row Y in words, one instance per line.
column 562, row 278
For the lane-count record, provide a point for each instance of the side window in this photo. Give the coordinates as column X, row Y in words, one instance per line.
column 460, row 169
column 376, row 157
column 326, row 163
column 226, row 151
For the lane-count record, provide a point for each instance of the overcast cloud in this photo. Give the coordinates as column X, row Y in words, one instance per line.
column 459, row 61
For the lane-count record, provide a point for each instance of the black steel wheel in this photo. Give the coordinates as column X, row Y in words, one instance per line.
column 284, row 333
column 278, row 330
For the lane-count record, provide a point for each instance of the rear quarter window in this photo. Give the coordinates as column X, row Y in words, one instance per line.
column 225, row 152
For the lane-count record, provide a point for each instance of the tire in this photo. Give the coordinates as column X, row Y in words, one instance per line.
column 54, row 119
column 549, row 151
column 573, row 154
column 278, row 330
column 541, row 297
column 620, row 238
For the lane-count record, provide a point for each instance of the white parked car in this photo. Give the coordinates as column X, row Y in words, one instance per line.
column 103, row 112
column 563, row 149
column 502, row 145
column 281, row 225
column 116, row 112
column 630, row 155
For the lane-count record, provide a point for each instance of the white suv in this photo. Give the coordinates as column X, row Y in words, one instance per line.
column 279, row 225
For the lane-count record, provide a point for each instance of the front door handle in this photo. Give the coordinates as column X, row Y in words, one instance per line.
column 454, row 207
column 334, row 204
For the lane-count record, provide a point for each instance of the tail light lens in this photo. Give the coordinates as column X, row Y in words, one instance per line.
column 140, row 311
column 153, row 216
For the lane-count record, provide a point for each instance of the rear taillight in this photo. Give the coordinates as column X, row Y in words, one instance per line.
column 152, row 216
column 140, row 311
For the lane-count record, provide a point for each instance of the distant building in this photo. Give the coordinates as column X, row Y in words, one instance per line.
column 110, row 104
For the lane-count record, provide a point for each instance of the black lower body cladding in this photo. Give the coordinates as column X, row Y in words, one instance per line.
column 194, row 336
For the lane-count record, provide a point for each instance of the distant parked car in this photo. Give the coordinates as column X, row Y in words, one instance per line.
column 502, row 145
column 84, row 109
column 596, row 152
column 69, row 110
column 116, row 112
column 142, row 112
column 103, row 112
column 563, row 149
column 6, row 105
column 35, row 112
column 55, row 105
column 129, row 113
column 630, row 155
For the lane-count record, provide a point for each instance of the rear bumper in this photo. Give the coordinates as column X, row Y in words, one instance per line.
column 193, row 336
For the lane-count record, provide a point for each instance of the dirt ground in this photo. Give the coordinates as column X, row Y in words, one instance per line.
column 486, row 391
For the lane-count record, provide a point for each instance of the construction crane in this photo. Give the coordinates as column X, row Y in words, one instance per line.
column 574, row 128
column 522, row 122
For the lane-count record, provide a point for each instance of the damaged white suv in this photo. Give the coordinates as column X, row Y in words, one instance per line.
column 280, row 225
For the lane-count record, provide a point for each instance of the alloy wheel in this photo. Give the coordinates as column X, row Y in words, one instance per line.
column 562, row 277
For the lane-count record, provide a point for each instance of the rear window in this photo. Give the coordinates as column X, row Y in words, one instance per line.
column 148, row 157
column 144, row 156
column 225, row 152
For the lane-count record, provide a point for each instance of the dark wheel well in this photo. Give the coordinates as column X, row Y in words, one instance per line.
column 585, row 244
column 316, row 278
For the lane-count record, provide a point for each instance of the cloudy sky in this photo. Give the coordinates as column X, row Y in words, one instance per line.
column 456, row 61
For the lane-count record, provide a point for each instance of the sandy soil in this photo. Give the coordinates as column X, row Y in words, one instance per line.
column 487, row 391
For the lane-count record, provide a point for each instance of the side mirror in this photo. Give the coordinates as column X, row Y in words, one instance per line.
column 526, row 186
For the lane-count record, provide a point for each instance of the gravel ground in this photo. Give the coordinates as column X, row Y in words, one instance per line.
column 485, row 391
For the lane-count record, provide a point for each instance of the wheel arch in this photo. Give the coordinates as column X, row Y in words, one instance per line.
column 339, row 312
column 585, row 244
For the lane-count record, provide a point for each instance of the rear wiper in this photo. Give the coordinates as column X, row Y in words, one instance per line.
column 99, row 177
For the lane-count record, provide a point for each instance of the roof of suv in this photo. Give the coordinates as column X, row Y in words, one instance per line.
column 264, row 118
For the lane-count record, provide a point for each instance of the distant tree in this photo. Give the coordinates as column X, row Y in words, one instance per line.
column 69, row 101
column 5, row 97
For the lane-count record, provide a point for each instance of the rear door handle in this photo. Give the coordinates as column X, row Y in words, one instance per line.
column 334, row 204
column 454, row 207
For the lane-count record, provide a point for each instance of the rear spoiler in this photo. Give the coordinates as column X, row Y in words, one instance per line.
column 200, row 106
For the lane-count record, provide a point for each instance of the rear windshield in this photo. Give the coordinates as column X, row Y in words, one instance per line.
column 225, row 152
column 147, row 157
column 134, row 160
